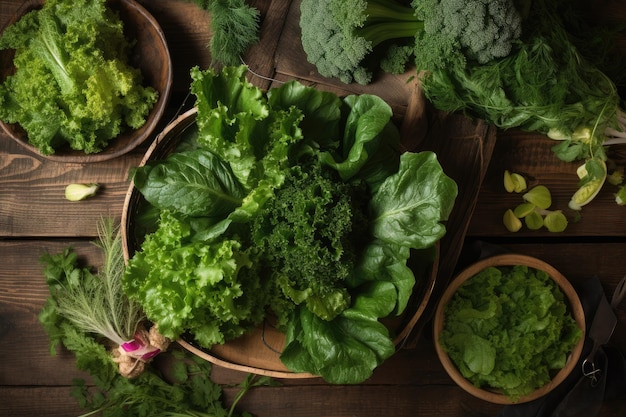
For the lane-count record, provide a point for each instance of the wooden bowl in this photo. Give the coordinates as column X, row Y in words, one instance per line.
column 259, row 351
column 575, row 309
column 150, row 54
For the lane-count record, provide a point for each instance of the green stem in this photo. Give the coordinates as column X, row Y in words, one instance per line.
column 385, row 10
column 380, row 32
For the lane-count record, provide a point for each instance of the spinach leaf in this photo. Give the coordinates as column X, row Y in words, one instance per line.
column 348, row 348
column 382, row 261
column 193, row 183
column 367, row 118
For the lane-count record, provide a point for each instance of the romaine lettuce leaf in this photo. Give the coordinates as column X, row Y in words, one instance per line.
column 409, row 207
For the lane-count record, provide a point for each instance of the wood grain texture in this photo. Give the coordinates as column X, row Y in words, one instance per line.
column 51, row 401
column 35, row 217
column 24, row 347
column 27, row 178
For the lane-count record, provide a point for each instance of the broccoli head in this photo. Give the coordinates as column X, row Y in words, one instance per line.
column 348, row 39
column 339, row 36
column 476, row 30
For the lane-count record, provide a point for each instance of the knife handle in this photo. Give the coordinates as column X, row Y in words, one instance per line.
column 619, row 293
column 589, row 366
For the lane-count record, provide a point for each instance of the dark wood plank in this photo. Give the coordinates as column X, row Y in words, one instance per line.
column 50, row 401
column 261, row 58
column 27, row 178
column 187, row 32
column 363, row 401
column 375, row 401
column 24, row 345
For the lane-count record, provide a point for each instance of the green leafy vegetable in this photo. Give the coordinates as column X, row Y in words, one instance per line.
column 406, row 211
column 311, row 260
column 71, row 86
column 234, row 27
column 89, row 315
column 195, row 183
column 290, row 218
column 96, row 304
column 509, row 328
column 553, row 82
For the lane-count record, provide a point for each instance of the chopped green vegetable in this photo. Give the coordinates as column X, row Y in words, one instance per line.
column 555, row 221
column 539, row 196
column 344, row 38
column 307, row 211
column 509, row 328
column 73, row 82
column 514, row 182
column 77, row 192
column 535, row 212
column 511, row 221
column 592, row 174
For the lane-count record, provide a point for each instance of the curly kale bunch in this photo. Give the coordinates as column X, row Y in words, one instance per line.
column 346, row 39
column 308, row 231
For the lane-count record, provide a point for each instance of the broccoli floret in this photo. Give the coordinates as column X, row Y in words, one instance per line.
column 396, row 59
column 344, row 38
column 477, row 30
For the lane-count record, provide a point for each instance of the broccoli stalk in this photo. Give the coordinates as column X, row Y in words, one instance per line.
column 344, row 38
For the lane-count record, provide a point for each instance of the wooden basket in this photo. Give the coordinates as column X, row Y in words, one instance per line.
column 576, row 310
column 259, row 351
column 150, row 54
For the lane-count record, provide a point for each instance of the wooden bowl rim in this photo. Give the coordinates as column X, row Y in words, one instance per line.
column 576, row 310
column 277, row 370
column 134, row 137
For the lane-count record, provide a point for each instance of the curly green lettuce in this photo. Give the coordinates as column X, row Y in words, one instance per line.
column 73, row 85
column 310, row 232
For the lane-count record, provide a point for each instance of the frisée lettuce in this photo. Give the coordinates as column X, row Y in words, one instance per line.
column 280, row 205
column 74, row 84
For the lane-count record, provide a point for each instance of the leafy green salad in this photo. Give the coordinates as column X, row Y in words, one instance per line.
column 73, row 83
column 509, row 328
column 294, row 205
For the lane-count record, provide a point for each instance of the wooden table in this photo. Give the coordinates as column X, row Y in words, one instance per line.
column 35, row 217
